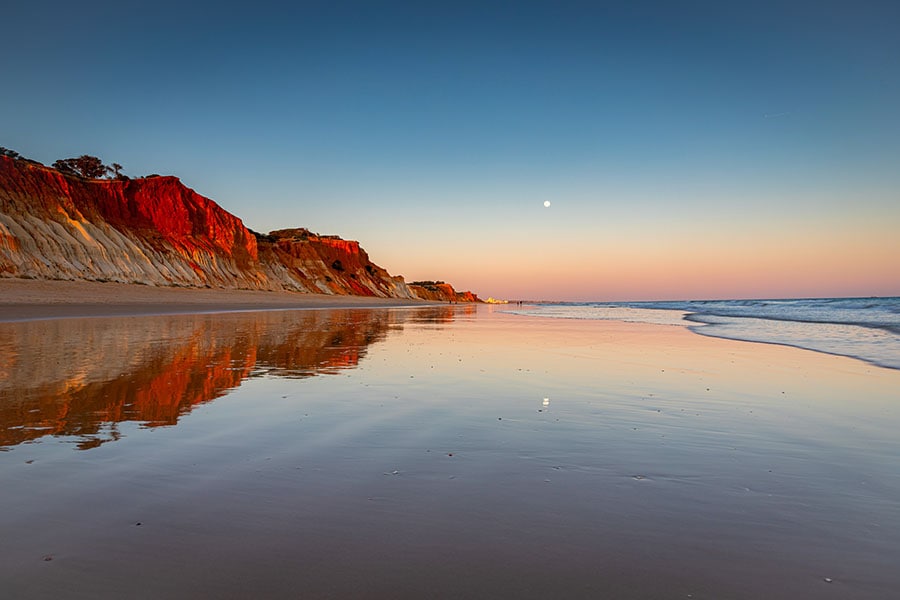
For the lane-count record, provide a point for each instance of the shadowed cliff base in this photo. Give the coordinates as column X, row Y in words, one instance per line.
column 156, row 231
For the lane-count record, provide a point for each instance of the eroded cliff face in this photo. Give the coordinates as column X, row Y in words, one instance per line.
column 440, row 292
column 327, row 264
column 156, row 231
column 153, row 231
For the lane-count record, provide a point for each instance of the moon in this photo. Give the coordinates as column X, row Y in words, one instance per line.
column 546, row 204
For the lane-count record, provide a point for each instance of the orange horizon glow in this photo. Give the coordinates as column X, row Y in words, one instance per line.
column 761, row 260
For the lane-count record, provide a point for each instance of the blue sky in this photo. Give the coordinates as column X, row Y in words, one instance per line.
column 673, row 139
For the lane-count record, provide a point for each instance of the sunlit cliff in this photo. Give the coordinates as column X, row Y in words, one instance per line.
column 157, row 231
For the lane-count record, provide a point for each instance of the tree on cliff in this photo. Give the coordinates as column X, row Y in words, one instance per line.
column 116, row 169
column 89, row 167
column 9, row 153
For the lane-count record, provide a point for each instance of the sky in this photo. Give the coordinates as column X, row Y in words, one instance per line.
column 689, row 150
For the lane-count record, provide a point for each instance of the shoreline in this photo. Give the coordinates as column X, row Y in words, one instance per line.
column 33, row 299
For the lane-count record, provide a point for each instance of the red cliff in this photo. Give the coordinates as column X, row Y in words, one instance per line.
column 156, row 231
column 440, row 291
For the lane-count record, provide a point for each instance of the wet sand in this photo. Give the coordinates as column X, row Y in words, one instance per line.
column 22, row 299
column 441, row 452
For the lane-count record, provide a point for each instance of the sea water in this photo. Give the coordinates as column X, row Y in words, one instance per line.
column 863, row 328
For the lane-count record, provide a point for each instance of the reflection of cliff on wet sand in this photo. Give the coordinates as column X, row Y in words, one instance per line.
column 79, row 377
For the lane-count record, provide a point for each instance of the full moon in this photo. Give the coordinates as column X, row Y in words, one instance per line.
column 546, row 204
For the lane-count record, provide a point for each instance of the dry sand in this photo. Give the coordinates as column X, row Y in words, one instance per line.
column 24, row 299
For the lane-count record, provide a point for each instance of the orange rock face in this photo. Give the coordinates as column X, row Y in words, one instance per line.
column 182, row 218
column 329, row 265
column 156, row 231
column 440, row 292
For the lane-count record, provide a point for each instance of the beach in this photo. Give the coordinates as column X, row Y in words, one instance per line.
column 38, row 299
column 434, row 451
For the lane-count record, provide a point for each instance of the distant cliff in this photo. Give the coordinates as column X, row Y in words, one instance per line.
column 438, row 290
column 157, row 231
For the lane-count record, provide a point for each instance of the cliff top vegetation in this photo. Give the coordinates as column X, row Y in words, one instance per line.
column 84, row 166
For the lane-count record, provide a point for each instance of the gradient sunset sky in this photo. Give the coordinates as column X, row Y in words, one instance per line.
column 689, row 150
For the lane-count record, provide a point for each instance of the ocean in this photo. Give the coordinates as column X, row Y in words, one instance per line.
column 864, row 328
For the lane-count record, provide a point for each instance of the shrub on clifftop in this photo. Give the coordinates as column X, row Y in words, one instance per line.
column 89, row 167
